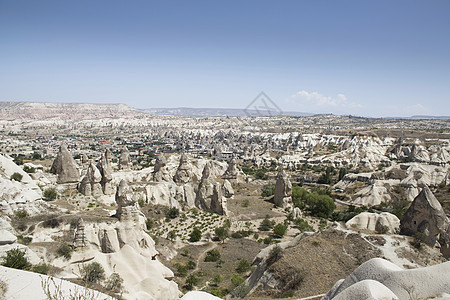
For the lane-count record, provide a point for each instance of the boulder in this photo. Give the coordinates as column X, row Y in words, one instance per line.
column 283, row 190
column 296, row 213
column 7, row 237
column 381, row 223
column 64, row 166
column 426, row 217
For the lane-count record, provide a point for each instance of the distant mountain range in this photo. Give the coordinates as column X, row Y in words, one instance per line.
column 85, row 111
column 221, row 112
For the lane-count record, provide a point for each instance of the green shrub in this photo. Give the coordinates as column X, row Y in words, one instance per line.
column 149, row 224
column 65, row 251
column 195, row 235
column 217, row 279
column 41, row 269
column 93, row 273
column 245, row 203
column 21, row 214
column 243, row 266
column 221, row 233
column 15, row 258
column 50, row 193
column 114, row 283
column 266, row 224
column 268, row 190
column 212, row 255
column 191, row 265
column 181, row 270
column 172, row 213
column 29, row 169
column 236, row 280
column 16, row 176
column 303, row 225
column 51, row 223
column 274, row 255
column 279, row 230
column 191, row 281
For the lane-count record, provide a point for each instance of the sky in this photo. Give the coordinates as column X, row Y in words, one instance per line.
column 367, row 58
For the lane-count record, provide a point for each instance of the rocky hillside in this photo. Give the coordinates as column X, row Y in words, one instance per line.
column 63, row 111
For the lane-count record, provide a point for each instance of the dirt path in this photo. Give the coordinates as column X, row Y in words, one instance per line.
column 202, row 255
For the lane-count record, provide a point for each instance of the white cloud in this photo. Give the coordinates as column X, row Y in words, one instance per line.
column 317, row 102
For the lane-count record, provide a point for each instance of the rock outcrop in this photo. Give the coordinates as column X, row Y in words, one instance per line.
column 105, row 169
column 184, row 173
column 231, row 172
column 90, row 185
column 381, row 279
column 283, row 190
column 124, row 159
column 381, row 223
column 209, row 194
column 426, row 217
column 127, row 207
column 64, row 166
column 228, row 191
column 80, row 240
column 160, row 172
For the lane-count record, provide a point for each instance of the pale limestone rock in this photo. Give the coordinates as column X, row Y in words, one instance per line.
column 124, row 159
column 105, row 169
column 90, row 185
column 227, row 189
column 64, row 166
column 283, row 190
column 231, row 172
column 183, row 174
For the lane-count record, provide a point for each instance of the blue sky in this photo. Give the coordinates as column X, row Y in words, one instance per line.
column 369, row 58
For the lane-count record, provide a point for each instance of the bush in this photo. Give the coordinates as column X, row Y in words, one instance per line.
column 245, row 203
column 41, row 269
column 149, row 224
column 172, row 213
column 221, row 233
column 266, row 224
column 279, row 230
column 303, row 225
column 195, row 235
column 274, row 255
column 181, row 270
column 212, row 255
column 114, row 283
column 268, row 190
column 51, row 223
column 321, row 206
column 191, row 265
column 15, row 258
column 217, row 279
column 93, row 273
column 18, row 160
column 236, row 280
column 29, row 169
column 65, row 251
column 21, row 214
column 243, row 266
column 191, row 281
column 16, row 176
column 50, row 193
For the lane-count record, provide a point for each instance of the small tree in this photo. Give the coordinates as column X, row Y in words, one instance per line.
column 50, row 193
column 236, row 280
column 172, row 213
column 15, row 258
column 16, row 176
column 114, row 283
column 93, row 273
column 266, row 224
column 191, row 281
column 212, row 255
column 65, row 251
column 279, row 230
column 195, row 235
column 243, row 266
column 221, row 233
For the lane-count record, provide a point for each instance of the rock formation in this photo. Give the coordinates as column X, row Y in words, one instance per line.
column 184, row 173
column 90, row 185
column 382, row 223
column 105, row 169
column 160, row 172
column 124, row 159
column 228, row 191
column 231, row 172
column 64, row 166
column 296, row 213
column 283, row 190
column 127, row 207
column 381, row 279
column 80, row 239
column 209, row 194
column 426, row 217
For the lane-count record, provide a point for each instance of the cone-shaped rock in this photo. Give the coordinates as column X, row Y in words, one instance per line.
column 64, row 166
column 426, row 217
column 90, row 185
column 127, row 209
column 160, row 172
column 124, row 159
column 184, row 173
column 231, row 172
column 105, row 169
